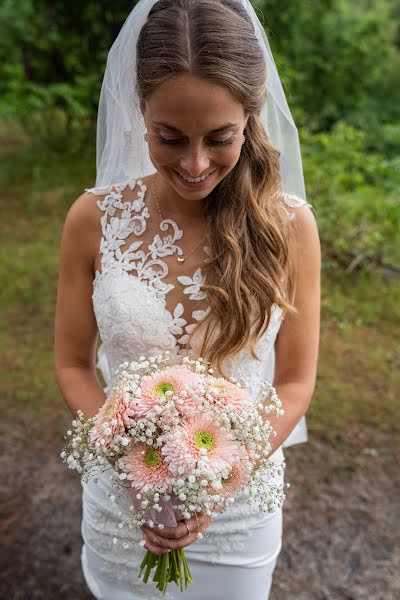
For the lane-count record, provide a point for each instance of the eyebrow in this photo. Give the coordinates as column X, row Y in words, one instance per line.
column 218, row 130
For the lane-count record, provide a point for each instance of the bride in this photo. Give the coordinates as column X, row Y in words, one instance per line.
column 197, row 239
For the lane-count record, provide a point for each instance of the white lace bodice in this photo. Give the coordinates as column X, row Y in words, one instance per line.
column 140, row 309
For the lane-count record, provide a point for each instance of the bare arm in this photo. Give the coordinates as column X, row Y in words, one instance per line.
column 75, row 324
column 296, row 348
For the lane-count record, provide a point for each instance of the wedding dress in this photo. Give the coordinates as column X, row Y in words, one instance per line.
column 140, row 310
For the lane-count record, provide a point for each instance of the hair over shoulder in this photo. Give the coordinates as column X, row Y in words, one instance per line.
column 251, row 237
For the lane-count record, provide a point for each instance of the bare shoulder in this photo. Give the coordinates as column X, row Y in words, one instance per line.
column 83, row 213
column 306, row 232
column 82, row 229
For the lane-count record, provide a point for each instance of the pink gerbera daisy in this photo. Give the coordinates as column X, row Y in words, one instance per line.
column 145, row 466
column 173, row 379
column 198, row 436
column 229, row 393
column 235, row 481
column 110, row 418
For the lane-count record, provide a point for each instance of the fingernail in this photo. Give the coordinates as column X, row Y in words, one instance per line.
column 156, row 541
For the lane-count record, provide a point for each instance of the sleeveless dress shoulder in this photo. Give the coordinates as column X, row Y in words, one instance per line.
column 141, row 310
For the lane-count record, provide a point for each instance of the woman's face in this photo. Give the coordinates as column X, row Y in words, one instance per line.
column 195, row 130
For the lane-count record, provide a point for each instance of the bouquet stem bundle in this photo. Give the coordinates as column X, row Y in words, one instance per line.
column 168, row 568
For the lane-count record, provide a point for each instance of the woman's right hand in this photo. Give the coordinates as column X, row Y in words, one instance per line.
column 160, row 541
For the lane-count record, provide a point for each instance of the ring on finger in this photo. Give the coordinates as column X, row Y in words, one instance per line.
column 187, row 527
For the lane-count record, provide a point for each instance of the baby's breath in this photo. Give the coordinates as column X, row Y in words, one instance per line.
column 193, row 490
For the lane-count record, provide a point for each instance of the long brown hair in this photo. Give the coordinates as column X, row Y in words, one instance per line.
column 249, row 231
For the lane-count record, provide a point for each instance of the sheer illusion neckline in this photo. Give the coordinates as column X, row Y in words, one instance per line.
column 122, row 250
column 133, row 269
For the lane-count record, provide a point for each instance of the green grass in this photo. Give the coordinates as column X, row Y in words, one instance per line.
column 38, row 187
column 358, row 374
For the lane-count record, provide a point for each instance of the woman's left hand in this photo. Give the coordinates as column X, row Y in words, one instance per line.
column 160, row 541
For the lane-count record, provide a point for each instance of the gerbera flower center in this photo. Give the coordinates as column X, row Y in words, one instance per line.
column 151, row 457
column 204, row 439
column 163, row 387
column 109, row 408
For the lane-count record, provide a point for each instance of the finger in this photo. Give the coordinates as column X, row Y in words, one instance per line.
column 163, row 541
column 155, row 531
column 155, row 549
column 198, row 525
column 153, row 545
column 194, row 525
column 160, row 542
column 170, row 544
column 172, row 533
column 185, row 541
column 180, row 543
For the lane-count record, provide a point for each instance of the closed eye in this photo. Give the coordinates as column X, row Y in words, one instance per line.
column 210, row 142
column 220, row 142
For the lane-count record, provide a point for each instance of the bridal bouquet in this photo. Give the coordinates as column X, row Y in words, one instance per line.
column 181, row 441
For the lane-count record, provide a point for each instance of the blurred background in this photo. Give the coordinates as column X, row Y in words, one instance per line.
column 339, row 62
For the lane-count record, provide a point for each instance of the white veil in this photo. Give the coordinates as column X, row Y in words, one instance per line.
column 122, row 152
column 121, row 149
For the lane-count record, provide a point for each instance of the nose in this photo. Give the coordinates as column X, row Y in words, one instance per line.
column 195, row 161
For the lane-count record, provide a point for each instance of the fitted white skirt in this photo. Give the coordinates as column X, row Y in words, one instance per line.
column 235, row 561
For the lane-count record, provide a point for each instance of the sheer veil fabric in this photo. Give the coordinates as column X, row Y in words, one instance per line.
column 121, row 149
column 122, row 152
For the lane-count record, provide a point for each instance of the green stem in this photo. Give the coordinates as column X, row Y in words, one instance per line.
column 175, row 566
column 163, row 577
column 179, row 560
column 188, row 577
column 170, row 574
column 169, row 567
column 158, row 570
column 143, row 563
column 151, row 561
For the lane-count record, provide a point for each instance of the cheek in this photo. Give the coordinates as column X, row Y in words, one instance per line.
column 228, row 157
column 224, row 157
column 161, row 155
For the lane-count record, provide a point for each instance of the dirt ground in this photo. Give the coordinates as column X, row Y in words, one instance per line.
column 341, row 521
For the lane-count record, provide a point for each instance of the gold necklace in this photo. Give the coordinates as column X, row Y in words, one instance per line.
column 179, row 259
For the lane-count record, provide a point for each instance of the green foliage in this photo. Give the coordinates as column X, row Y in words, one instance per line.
column 339, row 62
column 338, row 162
column 355, row 194
column 53, row 53
column 50, row 151
column 338, row 59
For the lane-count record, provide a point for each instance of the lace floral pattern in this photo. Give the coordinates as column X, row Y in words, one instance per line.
column 129, row 292
column 144, row 267
column 294, row 202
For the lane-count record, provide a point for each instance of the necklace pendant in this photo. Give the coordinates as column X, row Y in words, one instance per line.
column 180, row 259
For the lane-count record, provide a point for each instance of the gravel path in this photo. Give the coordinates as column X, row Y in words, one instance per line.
column 341, row 525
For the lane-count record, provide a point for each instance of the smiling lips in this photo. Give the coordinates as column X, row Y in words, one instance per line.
column 195, row 179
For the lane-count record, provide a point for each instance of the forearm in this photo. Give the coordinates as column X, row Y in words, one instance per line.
column 295, row 398
column 81, row 390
